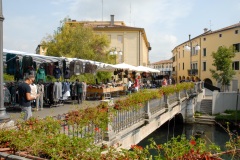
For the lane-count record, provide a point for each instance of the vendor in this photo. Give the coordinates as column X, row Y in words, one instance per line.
column 113, row 81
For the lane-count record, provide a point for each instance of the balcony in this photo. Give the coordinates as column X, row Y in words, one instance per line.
column 192, row 72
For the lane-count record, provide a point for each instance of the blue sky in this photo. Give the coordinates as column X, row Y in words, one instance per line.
column 167, row 22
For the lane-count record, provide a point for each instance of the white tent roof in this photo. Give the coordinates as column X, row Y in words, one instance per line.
column 126, row 66
column 48, row 59
column 147, row 69
column 36, row 57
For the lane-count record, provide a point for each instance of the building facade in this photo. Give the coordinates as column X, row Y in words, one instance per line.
column 130, row 43
column 196, row 64
column 41, row 50
column 164, row 66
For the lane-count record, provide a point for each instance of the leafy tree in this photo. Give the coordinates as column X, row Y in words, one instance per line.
column 223, row 63
column 76, row 41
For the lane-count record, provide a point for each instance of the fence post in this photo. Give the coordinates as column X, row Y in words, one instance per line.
column 109, row 134
column 147, row 110
column 166, row 101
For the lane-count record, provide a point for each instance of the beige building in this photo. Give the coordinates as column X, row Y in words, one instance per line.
column 164, row 66
column 201, row 60
column 130, row 44
column 41, row 50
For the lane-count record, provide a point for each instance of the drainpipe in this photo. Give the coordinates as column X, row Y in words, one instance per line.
column 139, row 49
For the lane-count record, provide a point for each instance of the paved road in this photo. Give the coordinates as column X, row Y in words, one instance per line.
column 15, row 112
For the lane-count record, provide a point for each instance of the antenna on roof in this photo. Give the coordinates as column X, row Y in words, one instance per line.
column 102, row 10
column 210, row 25
column 130, row 14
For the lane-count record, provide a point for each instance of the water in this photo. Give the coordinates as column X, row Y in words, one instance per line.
column 214, row 133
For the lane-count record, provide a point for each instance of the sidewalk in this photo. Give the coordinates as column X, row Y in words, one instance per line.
column 15, row 113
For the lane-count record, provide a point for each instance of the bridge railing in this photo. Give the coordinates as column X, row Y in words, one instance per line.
column 155, row 105
column 127, row 120
column 123, row 119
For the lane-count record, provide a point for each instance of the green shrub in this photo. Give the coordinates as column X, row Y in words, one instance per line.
column 8, row 78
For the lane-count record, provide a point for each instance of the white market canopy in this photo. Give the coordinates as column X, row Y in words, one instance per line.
column 147, row 69
column 48, row 59
column 101, row 66
column 126, row 67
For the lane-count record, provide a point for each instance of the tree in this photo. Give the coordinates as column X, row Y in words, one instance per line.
column 223, row 63
column 76, row 41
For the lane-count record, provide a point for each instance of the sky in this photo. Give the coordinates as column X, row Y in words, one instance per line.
column 167, row 23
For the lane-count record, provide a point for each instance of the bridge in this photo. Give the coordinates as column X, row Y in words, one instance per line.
column 130, row 127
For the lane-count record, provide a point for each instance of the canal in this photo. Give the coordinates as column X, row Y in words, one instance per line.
column 212, row 133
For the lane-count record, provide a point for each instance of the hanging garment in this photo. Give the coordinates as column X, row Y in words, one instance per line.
column 41, row 75
column 67, row 73
column 65, row 90
column 57, row 91
column 26, row 62
column 50, row 67
column 88, row 67
column 57, row 72
column 39, row 100
column 18, row 72
column 78, row 67
column 10, row 60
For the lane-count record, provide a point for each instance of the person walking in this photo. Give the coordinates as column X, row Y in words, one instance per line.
column 136, row 84
column 79, row 88
column 25, row 96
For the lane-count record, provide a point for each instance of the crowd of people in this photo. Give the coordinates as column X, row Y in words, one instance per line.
column 26, row 97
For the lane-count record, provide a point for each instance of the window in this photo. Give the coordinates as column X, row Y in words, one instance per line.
column 183, row 66
column 120, row 39
column 235, row 65
column 204, row 39
column 220, row 35
column 204, row 52
column 204, row 66
column 236, row 47
column 194, row 66
column 236, row 31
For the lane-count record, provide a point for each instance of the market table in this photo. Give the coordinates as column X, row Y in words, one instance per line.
column 104, row 93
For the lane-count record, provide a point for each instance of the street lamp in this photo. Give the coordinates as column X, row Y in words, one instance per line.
column 189, row 48
column 3, row 114
column 115, row 52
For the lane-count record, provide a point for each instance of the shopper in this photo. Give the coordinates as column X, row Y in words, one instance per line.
column 136, row 84
column 79, row 88
column 25, row 97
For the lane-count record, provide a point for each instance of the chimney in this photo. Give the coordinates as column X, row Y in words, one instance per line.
column 112, row 20
column 205, row 30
